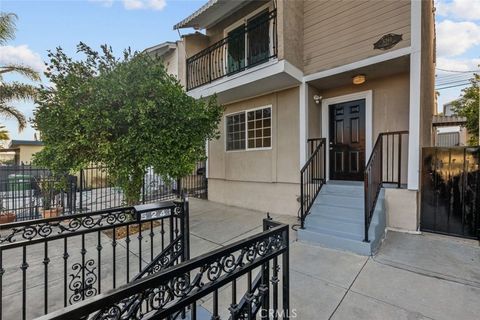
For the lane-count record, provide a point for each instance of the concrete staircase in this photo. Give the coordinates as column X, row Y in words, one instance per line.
column 336, row 219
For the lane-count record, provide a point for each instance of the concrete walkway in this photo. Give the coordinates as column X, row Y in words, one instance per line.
column 413, row 276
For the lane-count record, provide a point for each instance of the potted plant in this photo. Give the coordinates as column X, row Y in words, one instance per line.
column 49, row 189
column 6, row 216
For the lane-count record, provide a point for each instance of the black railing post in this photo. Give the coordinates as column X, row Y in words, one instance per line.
column 81, row 189
column 324, row 142
column 186, row 228
column 366, row 204
column 286, row 276
column 302, row 195
column 399, row 160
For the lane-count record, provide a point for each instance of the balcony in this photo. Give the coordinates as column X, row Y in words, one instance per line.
column 247, row 46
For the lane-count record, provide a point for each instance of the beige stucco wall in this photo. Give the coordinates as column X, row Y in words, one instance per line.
column 401, row 209
column 340, row 32
column 290, row 31
column 26, row 153
column 194, row 43
column 314, row 114
column 265, row 180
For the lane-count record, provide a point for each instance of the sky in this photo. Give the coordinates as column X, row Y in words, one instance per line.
column 46, row 24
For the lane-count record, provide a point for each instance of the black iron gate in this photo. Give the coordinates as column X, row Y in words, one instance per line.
column 450, row 196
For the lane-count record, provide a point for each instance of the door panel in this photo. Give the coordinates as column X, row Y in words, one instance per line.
column 347, row 140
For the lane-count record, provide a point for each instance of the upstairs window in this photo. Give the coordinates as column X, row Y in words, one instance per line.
column 249, row 44
column 250, row 129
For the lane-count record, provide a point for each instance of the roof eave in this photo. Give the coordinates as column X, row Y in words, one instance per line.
column 210, row 13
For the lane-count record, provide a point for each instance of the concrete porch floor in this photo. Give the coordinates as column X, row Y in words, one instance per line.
column 412, row 277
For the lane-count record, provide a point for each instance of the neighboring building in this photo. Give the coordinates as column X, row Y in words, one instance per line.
column 172, row 54
column 23, row 150
column 449, row 128
column 287, row 71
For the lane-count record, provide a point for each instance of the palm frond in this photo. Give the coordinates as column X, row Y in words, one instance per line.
column 9, row 112
column 17, row 91
column 4, row 134
column 7, row 27
column 22, row 70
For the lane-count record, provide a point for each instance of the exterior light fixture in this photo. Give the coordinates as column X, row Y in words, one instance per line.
column 359, row 79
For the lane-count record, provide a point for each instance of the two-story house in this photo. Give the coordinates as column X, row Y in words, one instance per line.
column 324, row 97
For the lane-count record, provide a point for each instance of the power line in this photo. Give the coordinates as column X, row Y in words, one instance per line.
column 454, row 86
column 457, row 71
column 452, row 82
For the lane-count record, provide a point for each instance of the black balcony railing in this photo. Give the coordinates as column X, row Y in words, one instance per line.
column 247, row 46
column 383, row 167
column 49, row 264
column 181, row 291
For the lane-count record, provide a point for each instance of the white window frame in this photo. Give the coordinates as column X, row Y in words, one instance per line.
column 246, row 111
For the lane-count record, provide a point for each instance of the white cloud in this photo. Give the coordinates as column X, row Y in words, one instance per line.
column 455, row 38
column 144, row 4
column 135, row 4
column 21, row 55
column 459, row 9
column 105, row 3
column 458, row 64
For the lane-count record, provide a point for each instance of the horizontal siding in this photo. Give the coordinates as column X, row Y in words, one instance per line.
column 341, row 32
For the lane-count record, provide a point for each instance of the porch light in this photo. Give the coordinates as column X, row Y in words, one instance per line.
column 359, row 79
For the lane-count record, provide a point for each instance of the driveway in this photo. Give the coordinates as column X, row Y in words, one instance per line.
column 412, row 277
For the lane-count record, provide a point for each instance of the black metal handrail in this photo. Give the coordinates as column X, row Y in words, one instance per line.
column 242, row 49
column 75, row 259
column 383, row 166
column 166, row 294
column 312, row 177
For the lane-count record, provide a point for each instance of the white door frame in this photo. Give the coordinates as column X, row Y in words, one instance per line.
column 367, row 95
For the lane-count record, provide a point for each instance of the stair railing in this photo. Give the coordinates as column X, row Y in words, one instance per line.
column 312, row 177
column 383, row 167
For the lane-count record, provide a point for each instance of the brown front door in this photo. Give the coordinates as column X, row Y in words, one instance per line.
column 347, row 140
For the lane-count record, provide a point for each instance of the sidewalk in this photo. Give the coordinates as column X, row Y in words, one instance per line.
column 413, row 276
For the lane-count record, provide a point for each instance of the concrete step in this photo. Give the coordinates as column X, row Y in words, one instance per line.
column 336, row 200
column 336, row 220
column 343, row 189
column 332, row 224
column 335, row 241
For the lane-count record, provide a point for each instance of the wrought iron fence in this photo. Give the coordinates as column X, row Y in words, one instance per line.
column 186, row 287
column 247, row 46
column 312, row 176
column 28, row 192
column 49, row 264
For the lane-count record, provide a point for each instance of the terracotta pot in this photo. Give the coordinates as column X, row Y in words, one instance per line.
column 51, row 213
column 7, row 217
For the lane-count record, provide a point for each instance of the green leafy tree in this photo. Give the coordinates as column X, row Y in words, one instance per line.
column 468, row 105
column 15, row 90
column 126, row 113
